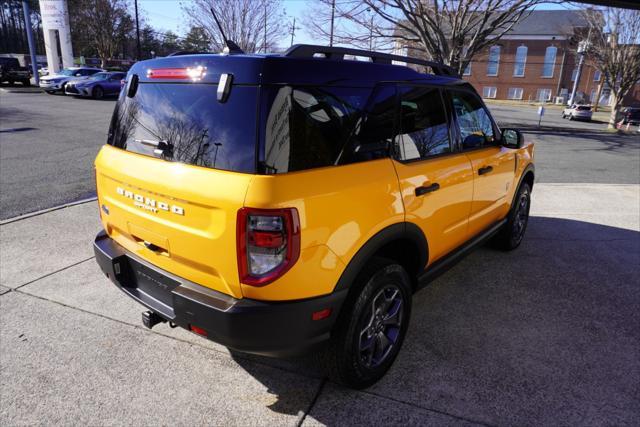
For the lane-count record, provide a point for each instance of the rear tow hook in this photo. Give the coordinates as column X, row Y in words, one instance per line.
column 151, row 319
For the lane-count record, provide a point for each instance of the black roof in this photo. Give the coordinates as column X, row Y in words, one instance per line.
column 299, row 66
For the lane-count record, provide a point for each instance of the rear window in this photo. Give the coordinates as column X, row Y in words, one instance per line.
column 184, row 122
column 583, row 108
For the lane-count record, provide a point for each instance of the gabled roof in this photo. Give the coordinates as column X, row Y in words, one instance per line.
column 549, row 23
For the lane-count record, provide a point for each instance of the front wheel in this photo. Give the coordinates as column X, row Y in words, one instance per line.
column 372, row 324
column 571, row 117
column 97, row 93
column 513, row 231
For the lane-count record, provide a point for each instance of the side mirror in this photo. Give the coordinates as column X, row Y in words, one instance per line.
column 512, row 138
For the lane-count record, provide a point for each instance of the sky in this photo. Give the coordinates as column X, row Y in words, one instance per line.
column 166, row 15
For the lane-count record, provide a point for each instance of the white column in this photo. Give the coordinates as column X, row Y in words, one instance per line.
column 51, row 48
column 55, row 17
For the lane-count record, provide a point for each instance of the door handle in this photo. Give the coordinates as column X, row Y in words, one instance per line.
column 422, row 190
column 485, row 170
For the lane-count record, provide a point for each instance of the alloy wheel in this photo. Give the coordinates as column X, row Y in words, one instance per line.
column 381, row 326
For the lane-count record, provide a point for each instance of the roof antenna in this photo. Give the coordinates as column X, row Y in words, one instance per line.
column 230, row 45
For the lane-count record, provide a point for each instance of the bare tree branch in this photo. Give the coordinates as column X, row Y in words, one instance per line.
column 614, row 46
column 243, row 21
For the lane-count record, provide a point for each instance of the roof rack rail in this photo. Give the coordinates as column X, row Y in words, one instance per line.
column 333, row 52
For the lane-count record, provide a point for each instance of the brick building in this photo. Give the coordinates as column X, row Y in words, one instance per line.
column 537, row 61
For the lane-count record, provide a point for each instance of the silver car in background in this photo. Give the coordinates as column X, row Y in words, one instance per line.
column 56, row 82
column 577, row 112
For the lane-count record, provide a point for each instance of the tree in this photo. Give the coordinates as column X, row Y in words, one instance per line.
column 447, row 31
column 170, row 43
column 328, row 20
column 104, row 25
column 149, row 42
column 197, row 40
column 614, row 46
column 255, row 25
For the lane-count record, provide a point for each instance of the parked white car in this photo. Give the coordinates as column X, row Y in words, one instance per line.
column 56, row 82
column 577, row 112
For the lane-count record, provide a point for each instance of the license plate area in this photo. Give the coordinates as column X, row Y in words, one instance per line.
column 151, row 282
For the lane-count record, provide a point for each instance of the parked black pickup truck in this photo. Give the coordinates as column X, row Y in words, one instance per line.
column 11, row 72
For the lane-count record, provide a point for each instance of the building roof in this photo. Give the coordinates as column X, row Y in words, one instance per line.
column 549, row 23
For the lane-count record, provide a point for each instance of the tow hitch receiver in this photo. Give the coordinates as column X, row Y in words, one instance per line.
column 150, row 319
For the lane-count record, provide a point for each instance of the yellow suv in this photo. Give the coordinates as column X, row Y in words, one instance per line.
column 273, row 202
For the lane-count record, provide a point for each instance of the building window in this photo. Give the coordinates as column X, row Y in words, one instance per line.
column 544, row 95
column 597, row 75
column 574, row 74
column 494, row 61
column 521, row 61
column 514, row 93
column 594, row 94
column 467, row 70
column 549, row 61
column 489, row 92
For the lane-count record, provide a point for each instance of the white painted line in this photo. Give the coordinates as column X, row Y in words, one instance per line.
column 44, row 211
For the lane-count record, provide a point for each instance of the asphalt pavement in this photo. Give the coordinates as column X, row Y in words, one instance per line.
column 48, row 144
column 47, row 147
column 544, row 335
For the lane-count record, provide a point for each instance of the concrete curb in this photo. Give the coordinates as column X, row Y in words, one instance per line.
column 44, row 211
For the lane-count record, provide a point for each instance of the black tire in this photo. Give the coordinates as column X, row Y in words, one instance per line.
column 26, row 82
column 372, row 324
column 564, row 116
column 11, row 82
column 570, row 116
column 63, row 88
column 97, row 92
column 512, row 233
column 50, row 92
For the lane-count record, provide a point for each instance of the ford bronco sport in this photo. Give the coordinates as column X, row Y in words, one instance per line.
column 274, row 202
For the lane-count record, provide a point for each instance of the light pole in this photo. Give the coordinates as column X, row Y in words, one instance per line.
column 32, row 46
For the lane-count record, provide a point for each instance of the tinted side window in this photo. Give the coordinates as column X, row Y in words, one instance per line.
column 373, row 135
column 309, row 127
column 424, row 130
column 476, row 128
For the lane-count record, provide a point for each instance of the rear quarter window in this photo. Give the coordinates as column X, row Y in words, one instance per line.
column 309, row 127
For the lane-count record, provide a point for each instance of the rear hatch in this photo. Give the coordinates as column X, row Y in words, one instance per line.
column 177, row 166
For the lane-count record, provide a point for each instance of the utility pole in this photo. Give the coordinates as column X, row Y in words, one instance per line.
column 265, row 26
column 371, row 34
column 293, row 30
column 582, row 48
column 333, row 17
column 137, row 30
column 32, row 46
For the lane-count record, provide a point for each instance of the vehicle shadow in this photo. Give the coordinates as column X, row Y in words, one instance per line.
column 545, row 334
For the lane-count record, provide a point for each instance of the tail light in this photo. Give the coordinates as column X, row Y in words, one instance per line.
column 268, row 244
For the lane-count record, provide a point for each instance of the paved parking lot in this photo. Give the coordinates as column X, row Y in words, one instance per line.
column 547, row 334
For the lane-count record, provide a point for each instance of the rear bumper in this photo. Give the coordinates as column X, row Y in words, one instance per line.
column 261, row 327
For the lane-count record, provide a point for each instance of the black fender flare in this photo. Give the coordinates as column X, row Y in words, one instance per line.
column 530, row 168
column 403, row 230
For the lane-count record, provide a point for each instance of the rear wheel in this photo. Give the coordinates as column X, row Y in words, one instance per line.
column 570, row 116
column 26, row 82
column 97, row 93
column 513, row 231
column 372, row 324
